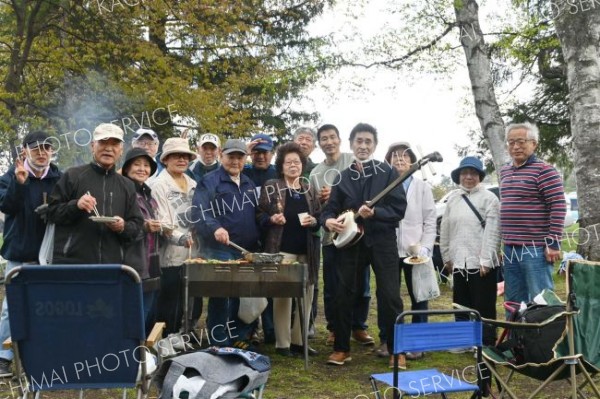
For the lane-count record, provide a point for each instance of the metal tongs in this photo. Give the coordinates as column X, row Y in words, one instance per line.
column 257, row 258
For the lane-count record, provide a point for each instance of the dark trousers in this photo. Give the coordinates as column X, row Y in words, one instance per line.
column 315, row 302
column 268, row 325
column 149, row 298
column 479, row 293
column 414, row 305
column 170, row 303
column 351, row 269
column 331, row 259
column 222, row 321
column 195, row 311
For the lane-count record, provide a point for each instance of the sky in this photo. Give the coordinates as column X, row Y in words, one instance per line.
column 432, row 111
column 422, row 113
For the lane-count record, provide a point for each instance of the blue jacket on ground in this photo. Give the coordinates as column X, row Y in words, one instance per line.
column 23, row 228
column 219, row 202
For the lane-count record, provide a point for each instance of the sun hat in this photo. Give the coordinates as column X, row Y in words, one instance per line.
column 136, row 153
column 176, row 145
column 105, row 131
column 468, row 162
column 399, row 144
column 234, row 145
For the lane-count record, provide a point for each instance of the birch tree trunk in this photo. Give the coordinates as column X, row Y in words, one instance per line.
column 578, row 29
column 480, row 74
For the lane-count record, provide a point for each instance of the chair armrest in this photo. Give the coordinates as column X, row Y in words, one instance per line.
column 155, row 334
column 7, row 344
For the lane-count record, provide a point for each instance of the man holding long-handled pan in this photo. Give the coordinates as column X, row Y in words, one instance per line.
column 224, row 210
column 359, row 184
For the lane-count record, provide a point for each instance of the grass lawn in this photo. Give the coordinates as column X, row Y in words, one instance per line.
column 289, row 380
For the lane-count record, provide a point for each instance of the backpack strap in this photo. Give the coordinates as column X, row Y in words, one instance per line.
column 475, row 211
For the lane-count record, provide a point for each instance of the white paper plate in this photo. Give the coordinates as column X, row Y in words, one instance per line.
column 416, row 260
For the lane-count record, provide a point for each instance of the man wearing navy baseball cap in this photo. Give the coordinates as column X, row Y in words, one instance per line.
column 261, row 153
column 260, row 149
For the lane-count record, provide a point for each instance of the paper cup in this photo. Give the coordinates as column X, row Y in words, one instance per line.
column 414, row 249
column 302, row 215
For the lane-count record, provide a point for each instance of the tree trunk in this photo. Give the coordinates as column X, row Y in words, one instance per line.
column 480, row 74
column 579, row 33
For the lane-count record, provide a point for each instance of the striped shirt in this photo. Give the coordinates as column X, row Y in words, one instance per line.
column 532, row 204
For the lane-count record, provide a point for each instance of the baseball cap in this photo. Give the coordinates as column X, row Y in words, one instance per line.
column 35, row 139
column 234, row 145
column 267, row 145
column 209, row 138
column 144, row 132
column 105, row 131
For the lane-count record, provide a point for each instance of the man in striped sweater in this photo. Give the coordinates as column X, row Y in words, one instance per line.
column 532, row 214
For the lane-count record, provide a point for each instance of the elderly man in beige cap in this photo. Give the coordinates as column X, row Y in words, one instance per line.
column 94, row 208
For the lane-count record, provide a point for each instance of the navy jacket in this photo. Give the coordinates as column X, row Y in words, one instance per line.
column 355, row 188
column 260, row 176
column 23, row 228
column 199, row 170
column 219, row 202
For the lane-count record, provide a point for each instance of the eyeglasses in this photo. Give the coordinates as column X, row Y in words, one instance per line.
column 519, row 142
column 179, row 155
column 290, row 163
column 145, row 143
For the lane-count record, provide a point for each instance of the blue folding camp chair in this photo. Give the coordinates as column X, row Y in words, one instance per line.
column 429, row 337
column 77, row 327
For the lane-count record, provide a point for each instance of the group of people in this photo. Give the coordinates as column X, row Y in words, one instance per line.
column 528, row 219
column 164, row 207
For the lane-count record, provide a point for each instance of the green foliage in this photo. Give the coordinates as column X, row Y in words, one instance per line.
column 225, row 67
column 534, row 49
column 443, row 187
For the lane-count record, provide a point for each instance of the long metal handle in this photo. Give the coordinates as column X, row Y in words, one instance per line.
column 242, row 250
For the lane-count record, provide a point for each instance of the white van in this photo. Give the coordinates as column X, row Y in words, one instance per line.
column 571, row 216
